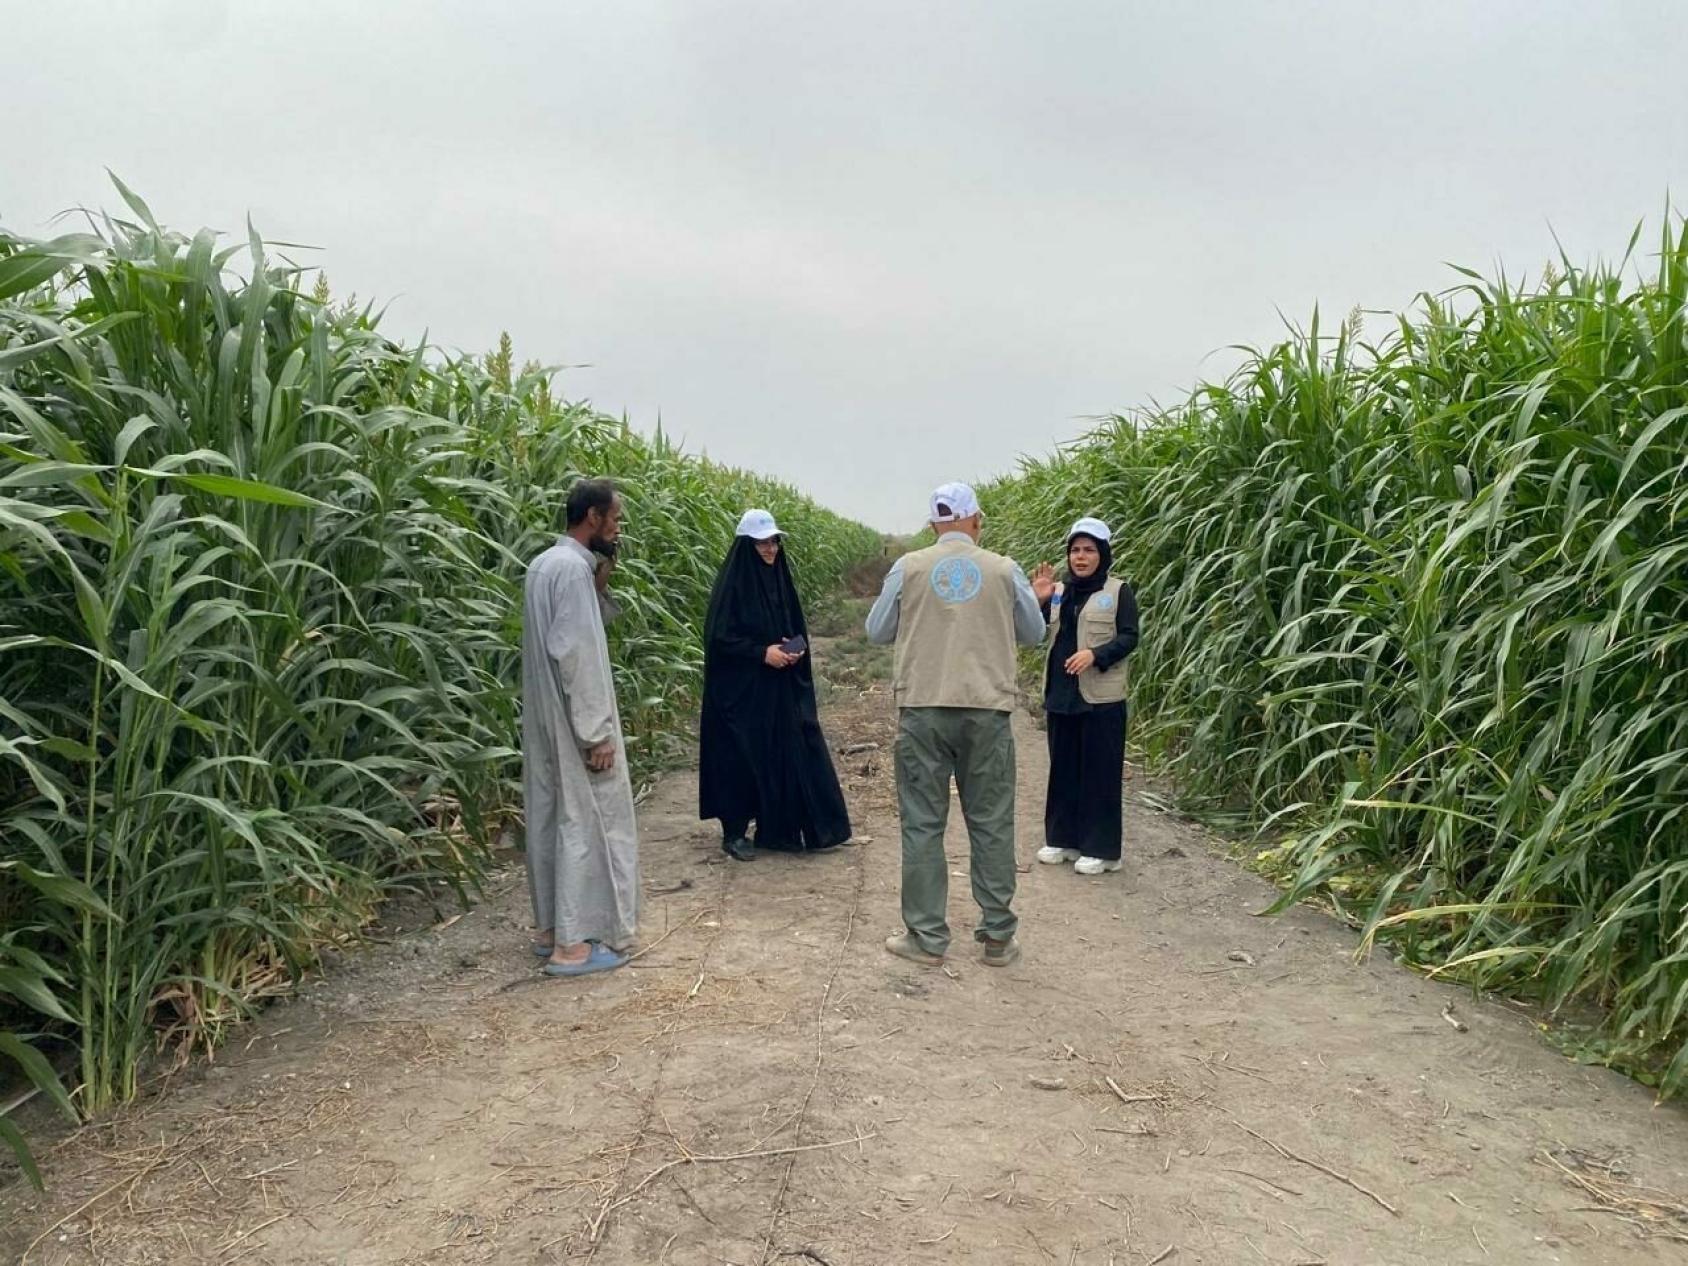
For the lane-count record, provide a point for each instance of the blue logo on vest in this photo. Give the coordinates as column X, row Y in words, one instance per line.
column 957, row 580
column 1104, row 602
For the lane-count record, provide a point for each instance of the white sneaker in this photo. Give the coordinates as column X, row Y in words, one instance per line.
column 1095, row 866
column 1051, row 856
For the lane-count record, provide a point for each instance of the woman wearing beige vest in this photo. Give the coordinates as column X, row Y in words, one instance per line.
column 1092, row 628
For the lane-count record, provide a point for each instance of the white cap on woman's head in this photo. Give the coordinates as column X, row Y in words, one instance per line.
column 1095, row 529
column 953, row 502
column 758, row 525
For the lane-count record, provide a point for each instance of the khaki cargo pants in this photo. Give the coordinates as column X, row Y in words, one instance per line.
column 976, row 748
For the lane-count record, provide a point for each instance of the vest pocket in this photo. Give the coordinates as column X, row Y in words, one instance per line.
column 1096, row 630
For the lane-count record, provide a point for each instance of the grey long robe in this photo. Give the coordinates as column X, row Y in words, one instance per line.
column 582, row 843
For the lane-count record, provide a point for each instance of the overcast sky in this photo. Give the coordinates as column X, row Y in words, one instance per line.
column 865, row 246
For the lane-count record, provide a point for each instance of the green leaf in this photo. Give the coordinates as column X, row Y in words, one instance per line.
column 30, row 267
column 136, row 205
column 37, row 1069
column 20, row 1152
column 133, row 429
column 48, row 473
column 95, row 618
column 250, row 490
column 63, row 889
column 30, row 989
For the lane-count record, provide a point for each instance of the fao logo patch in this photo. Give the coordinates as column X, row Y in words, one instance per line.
column 957, row 580
column 1104, row 602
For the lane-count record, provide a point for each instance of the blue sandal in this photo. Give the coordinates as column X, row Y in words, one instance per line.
column 544, row 951
column 598, row 958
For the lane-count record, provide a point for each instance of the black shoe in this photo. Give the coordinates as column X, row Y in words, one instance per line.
column 740, row 850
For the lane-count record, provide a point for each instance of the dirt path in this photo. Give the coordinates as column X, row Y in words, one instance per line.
column 766, row 1085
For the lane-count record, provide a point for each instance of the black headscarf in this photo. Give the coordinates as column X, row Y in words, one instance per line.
column 752, row 599
column 1076, row 590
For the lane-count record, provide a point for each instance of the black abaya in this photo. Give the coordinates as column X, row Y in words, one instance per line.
column 761, row 753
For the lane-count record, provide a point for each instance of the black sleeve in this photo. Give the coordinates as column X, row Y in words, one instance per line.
column 734, row 641
column 1125, row 632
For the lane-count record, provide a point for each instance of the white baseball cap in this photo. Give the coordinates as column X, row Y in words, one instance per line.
column 758, row 525
column 1093, row 528
column 953, row 502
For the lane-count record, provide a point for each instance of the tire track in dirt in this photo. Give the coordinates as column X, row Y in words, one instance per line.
column 820, row 1055
column 615, row 1199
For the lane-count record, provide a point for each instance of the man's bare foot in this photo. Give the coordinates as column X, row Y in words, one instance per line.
column 571, row 955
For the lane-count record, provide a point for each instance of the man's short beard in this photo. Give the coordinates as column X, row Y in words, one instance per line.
column 598, row 545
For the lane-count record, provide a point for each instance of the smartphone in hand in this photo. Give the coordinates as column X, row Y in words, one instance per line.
column 795, row 645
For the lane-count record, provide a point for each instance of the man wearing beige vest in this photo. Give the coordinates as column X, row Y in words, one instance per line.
column 955, row 612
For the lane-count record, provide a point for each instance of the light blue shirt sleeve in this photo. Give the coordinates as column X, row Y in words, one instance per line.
column 883, row 619
column 1029, row 626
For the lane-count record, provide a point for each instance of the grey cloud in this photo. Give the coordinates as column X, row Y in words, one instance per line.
column 867, row 246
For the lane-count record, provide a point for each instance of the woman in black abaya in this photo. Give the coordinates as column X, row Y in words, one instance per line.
column 762, row 756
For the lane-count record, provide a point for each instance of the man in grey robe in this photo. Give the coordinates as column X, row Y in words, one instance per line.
column 582, row 844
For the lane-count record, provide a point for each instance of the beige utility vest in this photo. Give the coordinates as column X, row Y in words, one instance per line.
column 955, row 630
column 1096, row 629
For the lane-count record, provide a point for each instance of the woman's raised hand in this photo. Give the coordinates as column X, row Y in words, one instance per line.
column 1043, row 582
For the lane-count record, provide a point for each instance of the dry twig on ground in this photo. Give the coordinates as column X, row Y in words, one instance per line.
column 1322, row 1168
column 1653, row 1212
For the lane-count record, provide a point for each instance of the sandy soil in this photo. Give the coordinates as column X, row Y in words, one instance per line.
column 1164, row 1078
